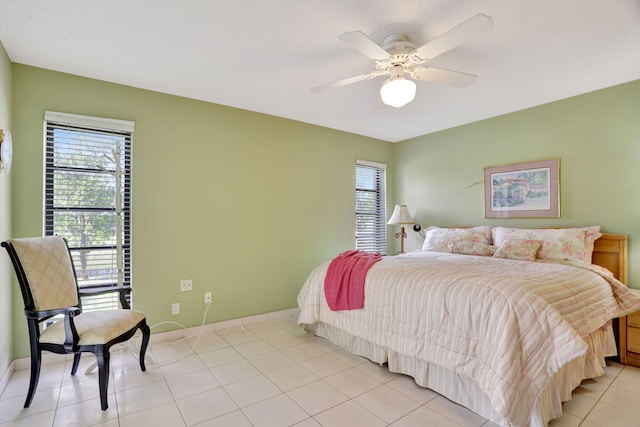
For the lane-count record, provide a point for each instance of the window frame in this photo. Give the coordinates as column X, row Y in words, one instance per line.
column 107, row 131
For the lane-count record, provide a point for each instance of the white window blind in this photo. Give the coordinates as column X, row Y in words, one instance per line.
column 81, row 157
column 371, row 224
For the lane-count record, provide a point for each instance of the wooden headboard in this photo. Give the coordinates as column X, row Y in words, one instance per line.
column 610, row 252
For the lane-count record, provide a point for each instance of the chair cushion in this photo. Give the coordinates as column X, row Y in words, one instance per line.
column 95, row 327
column 47, row 265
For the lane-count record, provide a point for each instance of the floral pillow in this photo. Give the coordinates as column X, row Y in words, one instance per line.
column 562, row 244
column 523, row 250
column 438, row 239
column 468, row 248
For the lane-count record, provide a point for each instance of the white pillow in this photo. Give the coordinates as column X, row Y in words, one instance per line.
column 439, row 239
column 561, row 244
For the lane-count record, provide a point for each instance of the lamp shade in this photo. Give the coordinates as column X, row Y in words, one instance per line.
column 401, row 215
column 398, row 91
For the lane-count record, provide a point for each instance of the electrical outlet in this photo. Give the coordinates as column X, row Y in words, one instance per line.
column 175, row 308
column 207, row 297
column 186, row 285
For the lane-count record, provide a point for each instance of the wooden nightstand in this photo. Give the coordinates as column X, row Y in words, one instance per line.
column 630, row 339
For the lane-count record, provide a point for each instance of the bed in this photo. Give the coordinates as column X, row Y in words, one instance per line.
column 504, row 321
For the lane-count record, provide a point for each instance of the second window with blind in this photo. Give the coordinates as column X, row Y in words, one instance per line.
column 88, row 198
column 371, row 223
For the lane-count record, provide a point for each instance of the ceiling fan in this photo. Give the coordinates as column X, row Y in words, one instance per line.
column 399, row 56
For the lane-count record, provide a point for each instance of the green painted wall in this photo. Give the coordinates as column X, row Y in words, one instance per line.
column 596, row 136
column 247, row 204
column 244, row 204
column 6, row 272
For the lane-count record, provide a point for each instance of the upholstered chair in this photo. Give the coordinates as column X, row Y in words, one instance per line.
column 49, row 287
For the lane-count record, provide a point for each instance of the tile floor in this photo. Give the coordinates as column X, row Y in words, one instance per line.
column 273, row 374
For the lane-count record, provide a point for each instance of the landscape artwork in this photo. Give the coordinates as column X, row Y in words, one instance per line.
column 522, row 190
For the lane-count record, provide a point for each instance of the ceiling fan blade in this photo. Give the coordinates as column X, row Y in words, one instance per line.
column 344, row 82
column 457, row 35
column 440, row 75
column 364, row 44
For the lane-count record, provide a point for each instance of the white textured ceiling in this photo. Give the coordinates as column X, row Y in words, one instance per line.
column 265, row 56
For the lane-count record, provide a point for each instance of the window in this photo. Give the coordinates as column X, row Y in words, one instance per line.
column 371, row 224
column 83, row 157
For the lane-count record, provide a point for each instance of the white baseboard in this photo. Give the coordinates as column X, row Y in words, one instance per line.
column 6, row 377
column 49, row 358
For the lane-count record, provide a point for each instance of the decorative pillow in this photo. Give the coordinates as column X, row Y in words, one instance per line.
column 562, row 244
column 468, row 248
column 438, row 239
column 523, row 250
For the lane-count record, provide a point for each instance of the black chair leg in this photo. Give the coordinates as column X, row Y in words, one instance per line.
column 76, row 363
column 36, row 359
column 146, row 333
column 103, row 359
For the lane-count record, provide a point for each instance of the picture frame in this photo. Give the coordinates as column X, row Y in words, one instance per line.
column 523, row 190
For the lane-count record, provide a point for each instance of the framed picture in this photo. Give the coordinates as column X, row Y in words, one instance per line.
column 522, row 190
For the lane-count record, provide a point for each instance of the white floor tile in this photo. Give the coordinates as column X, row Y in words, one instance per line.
column 304, row 351
column 193, row 383
column 606, row 415
column 85, row 413
column 578, row 405
column 622, row 398
column 309, row 422
column 353, row 382
column 182, row 366
column 380, row 373
column 42, row 419
column 325, row 365
column 265, row 329
column 71, row 394
column 349, row 414
column 220, row 357
column 277, row 411
column 252, row 390
column 387, row 404
column 592, row 389
column 205, row 406
column 207, row 343
column 254, row 348
column 628, row 380
column 236, row 338
column 284, row 340
column 455, row 412
column 349, row 358
column 166, row 415
column 291, row 377
column 232, row 419
column 566, row 420
column 169, row 351
column 268, row 362
column 132, row 378
column 423, row 416
column 407, row 386
column 234, row 371
column 43, row 401
column 272, row 374
column 140, row 398
column 317, row 397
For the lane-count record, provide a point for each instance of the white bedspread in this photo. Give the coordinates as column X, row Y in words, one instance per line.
column 507, row 325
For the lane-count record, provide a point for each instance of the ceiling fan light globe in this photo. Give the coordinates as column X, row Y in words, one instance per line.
column 398, row 91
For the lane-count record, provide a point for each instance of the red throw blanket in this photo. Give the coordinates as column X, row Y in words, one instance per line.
column 344, row 282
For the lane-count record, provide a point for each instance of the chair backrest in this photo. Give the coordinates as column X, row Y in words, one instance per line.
column 49, row 274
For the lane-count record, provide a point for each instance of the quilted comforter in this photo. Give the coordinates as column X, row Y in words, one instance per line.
column 507, row 325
